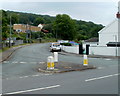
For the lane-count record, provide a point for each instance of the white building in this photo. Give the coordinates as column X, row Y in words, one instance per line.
column 108, row 35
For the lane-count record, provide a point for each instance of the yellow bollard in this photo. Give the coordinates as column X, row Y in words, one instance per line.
column 85, row 61
column 50, row 62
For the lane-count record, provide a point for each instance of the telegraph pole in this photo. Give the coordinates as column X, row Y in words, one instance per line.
column 10, row 34
column 27, row 33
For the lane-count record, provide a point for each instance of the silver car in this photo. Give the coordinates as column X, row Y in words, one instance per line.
column 55, row 47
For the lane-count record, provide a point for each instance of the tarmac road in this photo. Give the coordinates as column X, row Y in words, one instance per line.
column 19, row 74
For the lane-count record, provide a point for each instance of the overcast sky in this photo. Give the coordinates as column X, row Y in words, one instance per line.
column 97, row 12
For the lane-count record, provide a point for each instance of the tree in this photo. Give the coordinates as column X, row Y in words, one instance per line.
column 64, row 27
column 38, row 21
column 48, row 27
column 5, row 27
column 14, row 18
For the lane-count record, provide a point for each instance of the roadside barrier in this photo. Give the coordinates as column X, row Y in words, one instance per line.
column 55, row 56
column 50, row 63
column 85, row 60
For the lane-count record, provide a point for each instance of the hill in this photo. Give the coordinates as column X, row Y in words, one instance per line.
column 84, row 30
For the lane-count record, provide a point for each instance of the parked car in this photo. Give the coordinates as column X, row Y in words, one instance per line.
column 55, row 47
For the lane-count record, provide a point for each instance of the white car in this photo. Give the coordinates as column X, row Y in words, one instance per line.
column 55, row 47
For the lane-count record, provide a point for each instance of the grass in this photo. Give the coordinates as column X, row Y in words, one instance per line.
column 0, row 50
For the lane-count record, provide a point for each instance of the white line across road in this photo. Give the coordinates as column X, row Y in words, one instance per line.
column 101, row 77
column 31, row 90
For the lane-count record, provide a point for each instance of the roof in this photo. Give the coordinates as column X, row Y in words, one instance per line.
column 106, row 27
column 95, row 39
column 45, row 31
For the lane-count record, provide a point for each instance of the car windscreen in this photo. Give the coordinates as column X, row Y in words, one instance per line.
column 56, row 45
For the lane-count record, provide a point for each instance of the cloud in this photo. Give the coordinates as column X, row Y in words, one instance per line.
column 96, row 12
column 60, row 0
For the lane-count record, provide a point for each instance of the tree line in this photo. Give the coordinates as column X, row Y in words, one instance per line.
column 61, row 27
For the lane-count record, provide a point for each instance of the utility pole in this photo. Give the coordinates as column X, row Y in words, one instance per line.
column 30, row 33
column 10, row 34
column 27, row 33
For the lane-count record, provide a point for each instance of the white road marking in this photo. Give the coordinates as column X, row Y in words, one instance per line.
column 15, row 62
column 108, row 59
column 35, row 75
column 47, row 74
column 25, row 76
column 31, row 90
column 101, row 77
column 23, row 62
column 100, row 67
column 30, row 76
column 21, row 77
column 5, row 61
column 41, row 62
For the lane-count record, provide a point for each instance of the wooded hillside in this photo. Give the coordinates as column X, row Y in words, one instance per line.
column 81, row 30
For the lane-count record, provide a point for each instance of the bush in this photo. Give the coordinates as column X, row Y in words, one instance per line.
column 66, row 44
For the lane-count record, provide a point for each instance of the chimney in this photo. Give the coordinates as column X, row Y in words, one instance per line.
column 118, row 13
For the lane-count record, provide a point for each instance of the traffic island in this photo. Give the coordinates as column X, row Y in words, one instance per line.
column 62, row 67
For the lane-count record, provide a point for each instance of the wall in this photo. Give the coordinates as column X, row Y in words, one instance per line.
column 102, row 50
column 94, row 50
column 90, row 43
column 71, row 49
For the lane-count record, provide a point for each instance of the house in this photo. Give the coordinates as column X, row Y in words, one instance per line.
column 109, row 33
column 92, row 41
column 25, row 27
column 109, row 42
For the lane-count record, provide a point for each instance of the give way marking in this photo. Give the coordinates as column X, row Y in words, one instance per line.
column 31, row 90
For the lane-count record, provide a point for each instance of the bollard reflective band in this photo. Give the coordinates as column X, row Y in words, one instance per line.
column 50, row 63
column 85, row 61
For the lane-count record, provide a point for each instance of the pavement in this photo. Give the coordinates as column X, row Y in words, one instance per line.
column 90, row 56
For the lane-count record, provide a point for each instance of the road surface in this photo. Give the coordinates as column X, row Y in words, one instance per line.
column 20, row 75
